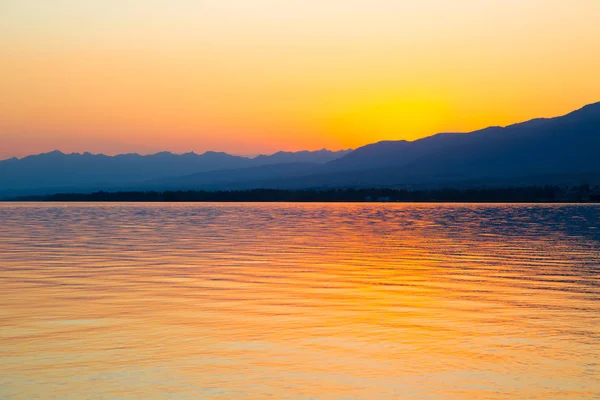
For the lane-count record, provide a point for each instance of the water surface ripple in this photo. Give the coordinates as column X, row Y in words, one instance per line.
column 299, row 301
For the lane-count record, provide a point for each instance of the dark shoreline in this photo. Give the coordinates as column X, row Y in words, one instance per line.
column 530, row 194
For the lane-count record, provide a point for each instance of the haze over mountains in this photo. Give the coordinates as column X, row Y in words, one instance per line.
column 56, row 171
column 561, row 150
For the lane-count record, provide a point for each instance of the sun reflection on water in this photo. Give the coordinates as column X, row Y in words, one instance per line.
column 328, row 301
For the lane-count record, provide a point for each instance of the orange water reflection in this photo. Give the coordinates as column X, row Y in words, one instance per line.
column 337, row 301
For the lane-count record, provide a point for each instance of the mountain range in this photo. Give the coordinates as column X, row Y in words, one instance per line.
column 56, row 171
column 560, row 150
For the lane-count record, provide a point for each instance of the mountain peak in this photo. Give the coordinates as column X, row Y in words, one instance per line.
column 211, row 153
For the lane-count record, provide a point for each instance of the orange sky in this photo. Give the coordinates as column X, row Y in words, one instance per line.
column 256, row 76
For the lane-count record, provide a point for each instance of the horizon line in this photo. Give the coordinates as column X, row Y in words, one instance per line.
column 253, row 156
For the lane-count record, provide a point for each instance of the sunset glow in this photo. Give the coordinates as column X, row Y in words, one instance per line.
column 257, row 76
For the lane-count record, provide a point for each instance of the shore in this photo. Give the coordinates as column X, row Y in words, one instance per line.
column 531, row 194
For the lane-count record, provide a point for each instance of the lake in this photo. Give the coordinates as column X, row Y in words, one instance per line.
column 299, row 301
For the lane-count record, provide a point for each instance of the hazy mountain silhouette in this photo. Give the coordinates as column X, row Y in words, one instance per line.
column 243, row 178
column 555, row 145
column 545, row 150
column 561, row 150
column 59, row 170
column 56, row 168
column 283, row 157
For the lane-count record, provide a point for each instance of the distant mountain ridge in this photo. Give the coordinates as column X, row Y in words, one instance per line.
column 59, row 170
column 560, row 150
column 566, row 144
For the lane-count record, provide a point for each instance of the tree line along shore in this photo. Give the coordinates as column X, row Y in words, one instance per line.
column 558, row 194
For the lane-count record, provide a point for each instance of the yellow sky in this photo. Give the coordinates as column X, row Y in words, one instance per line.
column 252, row 76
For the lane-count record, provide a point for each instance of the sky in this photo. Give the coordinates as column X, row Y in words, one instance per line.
column 257, row 76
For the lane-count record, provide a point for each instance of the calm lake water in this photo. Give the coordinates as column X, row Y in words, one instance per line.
column 299, row 301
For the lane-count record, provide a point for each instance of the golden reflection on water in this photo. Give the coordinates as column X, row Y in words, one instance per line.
column 299, row 301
